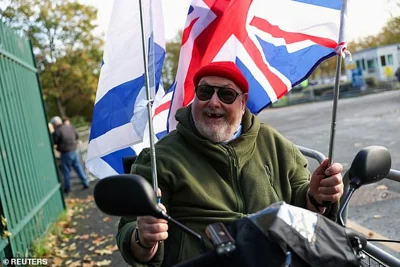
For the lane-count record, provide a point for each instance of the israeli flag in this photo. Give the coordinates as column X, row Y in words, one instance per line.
column 120, row 113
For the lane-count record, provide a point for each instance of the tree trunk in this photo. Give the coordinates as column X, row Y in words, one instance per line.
column 60, row 107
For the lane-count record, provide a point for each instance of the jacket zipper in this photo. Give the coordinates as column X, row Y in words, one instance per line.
column 235, row 179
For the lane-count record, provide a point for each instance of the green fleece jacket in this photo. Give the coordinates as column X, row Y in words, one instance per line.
column 203, row 182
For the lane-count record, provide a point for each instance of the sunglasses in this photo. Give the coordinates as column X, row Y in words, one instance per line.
column 204, row 92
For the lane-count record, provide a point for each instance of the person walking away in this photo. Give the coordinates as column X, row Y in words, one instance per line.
column 66, row 121
column 398, row 74
column 65, row 138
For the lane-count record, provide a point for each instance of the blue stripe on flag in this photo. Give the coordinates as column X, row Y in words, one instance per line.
column 161, row 134
column 115, row 159
column 297, row 65
column 116, row 107
column 333, row 4
column 159, row 56
column 190, row 9
column 258, row 97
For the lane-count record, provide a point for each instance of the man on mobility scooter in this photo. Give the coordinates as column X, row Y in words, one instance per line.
column 220, row 165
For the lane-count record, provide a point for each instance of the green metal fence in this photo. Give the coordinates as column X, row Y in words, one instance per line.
column 30, row 193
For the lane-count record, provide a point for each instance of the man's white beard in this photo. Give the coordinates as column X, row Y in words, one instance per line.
column 217, row 133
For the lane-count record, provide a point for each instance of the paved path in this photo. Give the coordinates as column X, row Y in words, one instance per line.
column 92, row 239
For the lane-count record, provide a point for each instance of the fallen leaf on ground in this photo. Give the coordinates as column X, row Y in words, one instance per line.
column 106, row 219
column 103, row 252
column 84, row 237
column 62, row 224
column 3, row 221
column 6, row 234
column 103, row 263
column 377, row 216
column 72, row 247
column 72, row 200
column 87, row 258
column 112, row 247
column 57, row 261
column 75, row 264
column 91, row 248
column 382, row 187
column 99, row 240
column 68, row 231
column 70, row 213
column 61, row 253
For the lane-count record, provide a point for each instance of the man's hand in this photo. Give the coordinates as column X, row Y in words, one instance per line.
column 326, row 183
column 152, row 230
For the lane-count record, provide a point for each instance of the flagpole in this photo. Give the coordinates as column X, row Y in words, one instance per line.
column 339, row 50
column 149, row 103
column 334, row 108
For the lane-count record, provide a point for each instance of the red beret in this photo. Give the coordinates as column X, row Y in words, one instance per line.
column 225, row 69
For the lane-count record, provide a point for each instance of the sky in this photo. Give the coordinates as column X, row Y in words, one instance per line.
column 365, row 17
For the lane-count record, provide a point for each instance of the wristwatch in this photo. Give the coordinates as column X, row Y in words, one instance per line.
column 137, row 240
column 314, row 202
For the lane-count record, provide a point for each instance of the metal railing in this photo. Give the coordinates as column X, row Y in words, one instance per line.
column 30, row 194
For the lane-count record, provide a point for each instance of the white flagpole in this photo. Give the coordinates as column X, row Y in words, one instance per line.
column 149, row 101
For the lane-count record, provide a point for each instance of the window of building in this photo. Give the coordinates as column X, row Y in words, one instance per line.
column 363, row 64
column 371, row 65
column 358, row 64
column 383, row 61
column 390, row 59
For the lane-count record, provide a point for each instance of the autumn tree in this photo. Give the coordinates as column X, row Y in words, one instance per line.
column 67, row 52
column 173, row 49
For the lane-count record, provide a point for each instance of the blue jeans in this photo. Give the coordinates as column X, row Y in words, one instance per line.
column 68, row 160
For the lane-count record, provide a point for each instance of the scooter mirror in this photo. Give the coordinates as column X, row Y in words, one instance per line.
column 370, row 165
column 126, row 195
column 131, row 195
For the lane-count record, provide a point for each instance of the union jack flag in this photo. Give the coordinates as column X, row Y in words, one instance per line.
column 275, row 43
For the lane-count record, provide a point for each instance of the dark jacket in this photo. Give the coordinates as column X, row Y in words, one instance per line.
column 204, row 183
column 66, row 138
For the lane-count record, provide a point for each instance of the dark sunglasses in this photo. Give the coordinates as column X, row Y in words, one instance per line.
column 204, row 92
